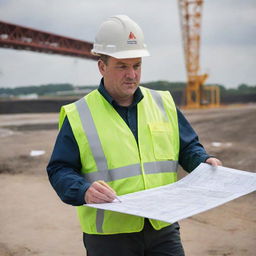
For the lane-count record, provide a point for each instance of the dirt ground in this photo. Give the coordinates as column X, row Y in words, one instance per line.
column 33, row 220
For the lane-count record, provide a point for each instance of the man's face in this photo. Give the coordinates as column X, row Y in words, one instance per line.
column 121, row 76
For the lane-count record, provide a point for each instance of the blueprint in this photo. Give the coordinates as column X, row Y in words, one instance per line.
column 203, row 189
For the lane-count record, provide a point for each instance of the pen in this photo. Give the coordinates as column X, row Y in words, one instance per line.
column 102, row 182
column 117, row 199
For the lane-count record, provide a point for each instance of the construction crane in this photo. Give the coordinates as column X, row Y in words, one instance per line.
column 196, row 95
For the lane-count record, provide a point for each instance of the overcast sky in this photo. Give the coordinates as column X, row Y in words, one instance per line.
column 228, row 50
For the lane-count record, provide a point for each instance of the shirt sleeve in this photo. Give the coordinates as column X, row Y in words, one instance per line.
column 64, row 168
column 192, row 153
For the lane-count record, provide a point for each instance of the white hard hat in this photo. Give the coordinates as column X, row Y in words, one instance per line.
column 121, row 38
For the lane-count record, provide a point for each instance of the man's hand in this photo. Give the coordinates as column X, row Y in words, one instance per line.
column 213, row 161
column 99, row 192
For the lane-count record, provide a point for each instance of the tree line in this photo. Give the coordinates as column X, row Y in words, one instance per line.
column 52, row 89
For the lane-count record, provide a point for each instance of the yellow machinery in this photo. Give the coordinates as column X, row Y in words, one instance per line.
column 196, row 94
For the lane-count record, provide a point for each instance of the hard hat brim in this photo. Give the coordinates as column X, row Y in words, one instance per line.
column 125, row 54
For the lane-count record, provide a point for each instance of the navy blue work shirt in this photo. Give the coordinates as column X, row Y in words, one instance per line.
column 64, row 166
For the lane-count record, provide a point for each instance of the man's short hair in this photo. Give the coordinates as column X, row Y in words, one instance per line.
column 104, row 58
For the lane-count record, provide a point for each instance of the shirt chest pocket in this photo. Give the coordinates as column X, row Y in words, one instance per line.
column 161, row 134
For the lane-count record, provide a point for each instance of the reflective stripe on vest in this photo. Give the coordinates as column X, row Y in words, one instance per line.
column 132, row 170
column 92, row 135
column 99, row 220
column 159, row 101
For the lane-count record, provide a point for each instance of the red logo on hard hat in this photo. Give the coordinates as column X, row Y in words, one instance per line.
column 131, row 39
column 132, row 36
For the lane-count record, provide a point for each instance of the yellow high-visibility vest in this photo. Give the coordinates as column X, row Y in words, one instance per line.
column 109, row 152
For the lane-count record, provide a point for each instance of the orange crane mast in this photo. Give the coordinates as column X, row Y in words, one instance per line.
column 196, row 94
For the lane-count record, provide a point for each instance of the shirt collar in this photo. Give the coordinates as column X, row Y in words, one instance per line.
column 138, row 96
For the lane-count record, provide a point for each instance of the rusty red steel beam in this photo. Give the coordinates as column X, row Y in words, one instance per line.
column 25, row 38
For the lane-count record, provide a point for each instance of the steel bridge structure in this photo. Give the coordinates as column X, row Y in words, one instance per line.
column 25, row 38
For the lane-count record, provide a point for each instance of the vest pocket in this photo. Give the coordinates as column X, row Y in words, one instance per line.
column 161, row 140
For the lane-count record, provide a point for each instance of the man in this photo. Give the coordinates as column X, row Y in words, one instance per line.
column 119, row 139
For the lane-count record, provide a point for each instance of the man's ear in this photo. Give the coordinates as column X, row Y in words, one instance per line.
column 102, row 67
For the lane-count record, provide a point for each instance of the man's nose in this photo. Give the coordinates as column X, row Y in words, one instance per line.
column 131, row 73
